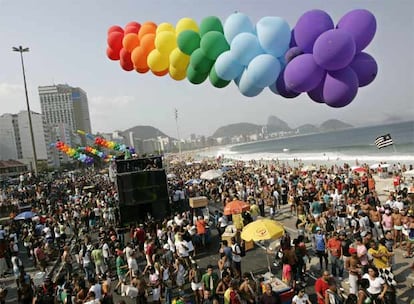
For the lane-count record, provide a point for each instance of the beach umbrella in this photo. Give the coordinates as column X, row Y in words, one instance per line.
column 171, row 175
column 236, row 207
column 262, row 230
column 24, row 216
column 409, row 173
column 358, row 169
column 194, row 181
column 308, row 168
column 211, row 174
column 376, row 166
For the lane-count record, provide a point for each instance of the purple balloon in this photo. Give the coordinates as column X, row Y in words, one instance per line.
column 361, row 24
column 334, row 50
column 317, row 93
column 292, row 53
column 366, row 68
column 282, row 89
column 302, row 74
column 292, row 39
column 310, row 26
column 340, row 87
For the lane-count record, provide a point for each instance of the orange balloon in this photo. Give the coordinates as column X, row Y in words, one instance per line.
column 147, row 28
column 147, row 42
column 130, row 42
column 142, row 71
column 162, row 73
column 139, row 59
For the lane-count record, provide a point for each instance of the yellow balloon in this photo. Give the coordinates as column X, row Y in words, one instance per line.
column 165, row 27
column 165, row 42
column 177, row 74
column 186, row 24
column 179, row 60
column 157, row 61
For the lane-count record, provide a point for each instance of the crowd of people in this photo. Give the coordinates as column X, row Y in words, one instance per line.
column 339, row 217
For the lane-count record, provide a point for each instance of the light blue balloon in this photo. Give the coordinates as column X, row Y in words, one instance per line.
column 247, row 87
column 244, row 47
column 274, row 35
column 263, row 70
column 227, row 67
column 235, row 24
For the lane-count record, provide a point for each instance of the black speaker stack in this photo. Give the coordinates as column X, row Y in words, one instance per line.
column 142, row 188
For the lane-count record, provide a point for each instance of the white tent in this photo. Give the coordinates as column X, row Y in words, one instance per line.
column 409, row 173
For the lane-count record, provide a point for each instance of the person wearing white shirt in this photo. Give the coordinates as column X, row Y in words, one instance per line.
column 301, row 298
column 96, row 288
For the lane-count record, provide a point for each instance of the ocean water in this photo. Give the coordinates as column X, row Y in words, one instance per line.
column 337, row 146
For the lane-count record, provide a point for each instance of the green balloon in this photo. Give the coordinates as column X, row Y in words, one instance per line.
column 188, row 41
column 213, row 44
column 217, row 81
column 200, row 62
column 195, row 77
column 209, row 24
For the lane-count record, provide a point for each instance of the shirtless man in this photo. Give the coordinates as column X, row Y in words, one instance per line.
column 397, row 219
column 375, row 217
column 353, row 265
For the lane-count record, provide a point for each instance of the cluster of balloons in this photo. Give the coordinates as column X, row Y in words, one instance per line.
column 73, row 153
column 102, row 142
column 96, row 152
column 316, row 57
column 327, row 61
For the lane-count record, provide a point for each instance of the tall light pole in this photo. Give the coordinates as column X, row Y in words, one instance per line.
column 178, row 132
column 22, row 50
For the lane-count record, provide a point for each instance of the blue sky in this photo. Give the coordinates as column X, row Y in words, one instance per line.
column 67, row 41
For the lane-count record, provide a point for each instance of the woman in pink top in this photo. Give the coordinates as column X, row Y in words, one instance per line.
column 362, row 253
column 387, row 220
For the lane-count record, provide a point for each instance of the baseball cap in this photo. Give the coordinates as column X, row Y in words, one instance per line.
column 318, row 228
column 166, row 247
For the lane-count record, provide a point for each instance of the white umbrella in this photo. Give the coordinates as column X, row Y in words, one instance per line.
column 211, row 174
column 376, row 166
column 308, row 168
column 171, row 175
column 409, row 173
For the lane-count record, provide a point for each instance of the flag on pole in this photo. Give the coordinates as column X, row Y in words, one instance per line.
column 383, row 141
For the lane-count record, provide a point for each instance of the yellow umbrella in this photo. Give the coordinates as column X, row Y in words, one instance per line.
column 262, row 229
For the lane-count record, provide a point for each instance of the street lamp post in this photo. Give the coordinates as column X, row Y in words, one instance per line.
column 22, row 50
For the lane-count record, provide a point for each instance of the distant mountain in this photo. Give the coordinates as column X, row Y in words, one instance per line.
column 308, row 128
column 237, row 129
column 334, row 125
column 145, row 132
column 274, row 124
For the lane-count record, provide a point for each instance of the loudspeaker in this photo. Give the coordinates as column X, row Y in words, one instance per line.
column 142, row 192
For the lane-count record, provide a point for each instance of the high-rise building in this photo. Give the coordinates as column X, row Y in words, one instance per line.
column 15, row 138
column 63, row 104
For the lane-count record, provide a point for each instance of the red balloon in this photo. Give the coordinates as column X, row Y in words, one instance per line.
column 115, row 28
column 133, row 23
column 111, row 54
column 115, row 41
column 132, row 27
column 125, row 61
